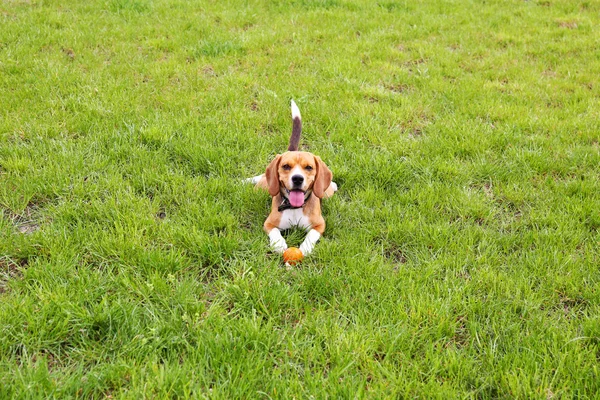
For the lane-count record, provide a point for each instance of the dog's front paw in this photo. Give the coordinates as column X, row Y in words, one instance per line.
column 307, row 248
column 279, row 247
column 309, row 243
column 278, row 243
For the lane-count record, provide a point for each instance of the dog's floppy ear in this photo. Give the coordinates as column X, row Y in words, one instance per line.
column 272, row 175
column 323, row 178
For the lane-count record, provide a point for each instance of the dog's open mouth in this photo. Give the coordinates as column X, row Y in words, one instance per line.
column 296, row 198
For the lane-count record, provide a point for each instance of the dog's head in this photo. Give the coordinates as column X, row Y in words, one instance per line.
column 295, row 174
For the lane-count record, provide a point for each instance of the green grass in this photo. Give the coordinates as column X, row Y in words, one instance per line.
column 462, row 250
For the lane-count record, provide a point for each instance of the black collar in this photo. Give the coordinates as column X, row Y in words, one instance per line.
column 286, row 203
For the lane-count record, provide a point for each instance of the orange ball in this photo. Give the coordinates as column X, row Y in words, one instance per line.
column 292, row 256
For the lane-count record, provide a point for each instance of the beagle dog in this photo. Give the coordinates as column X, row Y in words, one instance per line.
column 297, row 181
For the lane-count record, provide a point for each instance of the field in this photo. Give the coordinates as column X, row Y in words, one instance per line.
column 462, row 251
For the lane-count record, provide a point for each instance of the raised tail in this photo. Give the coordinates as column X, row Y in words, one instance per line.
column 296, row 128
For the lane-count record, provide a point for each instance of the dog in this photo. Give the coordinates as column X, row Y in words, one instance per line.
column 297, row 181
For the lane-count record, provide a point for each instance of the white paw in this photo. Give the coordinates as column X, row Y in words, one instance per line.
column 309, row 243
column 254, row 180
column 279, row 247
column 306, row 249
column 334, row 186
column 278, row 243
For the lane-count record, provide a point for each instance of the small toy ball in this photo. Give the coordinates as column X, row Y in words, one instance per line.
column 292, row 256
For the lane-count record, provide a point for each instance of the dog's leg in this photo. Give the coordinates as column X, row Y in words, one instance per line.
column 309, row 242
column 254, row 180
column 277, row 241
column 331, row 189
column 260, row 181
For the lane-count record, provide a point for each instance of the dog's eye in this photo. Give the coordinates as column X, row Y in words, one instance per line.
column 308, row 168
column 286, row 167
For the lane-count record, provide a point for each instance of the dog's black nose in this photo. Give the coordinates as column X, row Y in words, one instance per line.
column 297, row 180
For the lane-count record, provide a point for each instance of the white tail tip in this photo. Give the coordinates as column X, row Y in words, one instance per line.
column 295, row 111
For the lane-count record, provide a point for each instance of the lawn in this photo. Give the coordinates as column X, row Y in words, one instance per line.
column 461, row 255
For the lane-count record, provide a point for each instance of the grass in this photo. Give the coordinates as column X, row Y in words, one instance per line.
column 461, row 253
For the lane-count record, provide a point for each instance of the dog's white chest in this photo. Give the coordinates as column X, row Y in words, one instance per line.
column 294, row 217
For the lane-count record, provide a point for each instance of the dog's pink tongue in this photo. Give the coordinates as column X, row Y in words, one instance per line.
column 296, row 198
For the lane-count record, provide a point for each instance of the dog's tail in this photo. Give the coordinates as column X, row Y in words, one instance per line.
column 296, row 128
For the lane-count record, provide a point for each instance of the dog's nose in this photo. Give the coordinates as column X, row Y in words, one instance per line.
column 297, row 180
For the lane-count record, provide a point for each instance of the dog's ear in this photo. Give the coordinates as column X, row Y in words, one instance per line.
column 323, row 178
column 272, row 175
